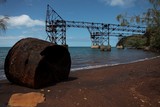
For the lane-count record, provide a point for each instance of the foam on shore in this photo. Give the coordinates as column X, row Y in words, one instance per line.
column 107, row 65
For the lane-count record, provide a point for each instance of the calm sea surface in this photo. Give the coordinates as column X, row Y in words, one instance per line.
column 87, row 58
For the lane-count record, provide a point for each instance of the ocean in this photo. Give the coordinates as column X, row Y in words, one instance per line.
column 87, row 58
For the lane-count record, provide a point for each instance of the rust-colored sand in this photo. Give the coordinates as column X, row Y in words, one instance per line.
column 127, row 85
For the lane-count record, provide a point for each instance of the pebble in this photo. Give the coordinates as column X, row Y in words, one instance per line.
column 85, row 98
column 80, row 89
column 42, row 89
column 135, row 98
column 142, row 100
column 77, row 104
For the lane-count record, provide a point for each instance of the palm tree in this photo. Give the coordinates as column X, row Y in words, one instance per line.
column 3, row 26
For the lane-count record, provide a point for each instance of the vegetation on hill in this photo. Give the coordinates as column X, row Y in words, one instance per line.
column 134, row 41
column 151, row 18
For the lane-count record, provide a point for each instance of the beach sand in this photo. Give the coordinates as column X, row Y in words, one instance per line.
column 126, row 85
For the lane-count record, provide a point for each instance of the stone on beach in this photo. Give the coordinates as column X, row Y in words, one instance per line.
column 26, row 100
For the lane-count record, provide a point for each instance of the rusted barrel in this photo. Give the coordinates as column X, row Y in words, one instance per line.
column 36, row 63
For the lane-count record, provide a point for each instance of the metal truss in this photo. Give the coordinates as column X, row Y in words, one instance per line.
column 55, row 27
column 99, row 32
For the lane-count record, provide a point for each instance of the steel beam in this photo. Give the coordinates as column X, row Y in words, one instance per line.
column 99, row 32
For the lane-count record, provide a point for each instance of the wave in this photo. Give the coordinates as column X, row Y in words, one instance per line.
column 109, row 65
column 3, row 77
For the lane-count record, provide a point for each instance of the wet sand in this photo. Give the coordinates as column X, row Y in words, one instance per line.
column 127, row 85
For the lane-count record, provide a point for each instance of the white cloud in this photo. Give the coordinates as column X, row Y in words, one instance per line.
column 119, row 2
column 24, row 20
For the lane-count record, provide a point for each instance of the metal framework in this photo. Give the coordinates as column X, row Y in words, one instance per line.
column 55, row 27
column 99, row 32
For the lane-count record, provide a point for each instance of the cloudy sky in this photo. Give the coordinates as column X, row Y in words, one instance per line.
column 27, row 17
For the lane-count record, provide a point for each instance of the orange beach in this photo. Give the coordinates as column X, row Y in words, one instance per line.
column 127, row 85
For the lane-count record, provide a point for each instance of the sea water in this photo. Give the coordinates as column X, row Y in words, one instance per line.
column 87, row 58
column 3, row 54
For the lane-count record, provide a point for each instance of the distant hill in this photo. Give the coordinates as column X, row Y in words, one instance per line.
column 134, row 41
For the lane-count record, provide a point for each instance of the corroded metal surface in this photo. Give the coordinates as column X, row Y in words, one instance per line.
column 36, row 63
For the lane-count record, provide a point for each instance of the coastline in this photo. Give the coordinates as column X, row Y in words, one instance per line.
column 136, row 84
column 109, row 65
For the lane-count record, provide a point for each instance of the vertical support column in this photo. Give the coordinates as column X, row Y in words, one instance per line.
column 94, row 38
column 63, row 43
column 108, row 48
column 108, row 34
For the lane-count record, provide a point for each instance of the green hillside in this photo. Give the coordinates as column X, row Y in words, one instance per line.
column 134, row 41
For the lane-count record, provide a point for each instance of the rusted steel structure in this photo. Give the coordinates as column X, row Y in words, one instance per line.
column 36, row 63
column 99, row 32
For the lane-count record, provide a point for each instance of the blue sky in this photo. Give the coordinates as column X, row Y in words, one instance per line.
column 27, row 17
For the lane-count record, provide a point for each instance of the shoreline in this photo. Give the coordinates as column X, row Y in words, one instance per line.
column 109, row 65
column 135, row 84
column 101, row 66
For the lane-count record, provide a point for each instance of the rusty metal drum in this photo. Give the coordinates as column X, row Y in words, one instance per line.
column 36, row 63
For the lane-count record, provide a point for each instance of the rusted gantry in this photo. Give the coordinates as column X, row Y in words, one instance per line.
column 99, row 32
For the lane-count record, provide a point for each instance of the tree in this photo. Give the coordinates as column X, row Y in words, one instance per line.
column 151, row 18
column 3, row 26
column 122, row 19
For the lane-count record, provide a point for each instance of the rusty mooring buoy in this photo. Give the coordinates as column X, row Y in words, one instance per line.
column 36, row 63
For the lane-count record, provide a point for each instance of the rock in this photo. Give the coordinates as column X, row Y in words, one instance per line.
column 26, row 100
column 120, row 47
column 108, row 48
column 102, row 48
column 147, row 48
column 105, row 48
column 95, row 46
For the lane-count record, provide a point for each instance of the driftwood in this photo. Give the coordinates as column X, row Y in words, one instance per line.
column 36, row 63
